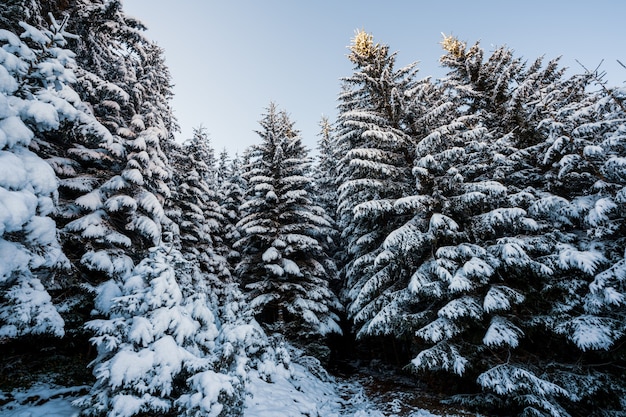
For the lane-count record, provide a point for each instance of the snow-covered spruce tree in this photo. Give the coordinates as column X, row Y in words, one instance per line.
column 483, row 279
column 232, row 194
column 222, row 171
column 325, row 179
column 384, row 305
column 478, row 251
column 94, row 162
column 582, row 153
column 325, row 172
column 157, row 351
column 114, row 180
column 374, row 150
column 34, row 99
column 282, row 265
column 198, row 213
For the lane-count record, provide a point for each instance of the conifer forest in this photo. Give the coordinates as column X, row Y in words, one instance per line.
column 466, row 235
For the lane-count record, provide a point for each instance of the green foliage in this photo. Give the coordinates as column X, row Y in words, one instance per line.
column 480, row 218
column 507, row 235
column 284, row 266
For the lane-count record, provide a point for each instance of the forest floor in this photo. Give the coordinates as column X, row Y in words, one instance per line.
column 309, row 392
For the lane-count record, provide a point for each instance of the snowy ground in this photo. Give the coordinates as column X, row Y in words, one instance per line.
column 309, row 392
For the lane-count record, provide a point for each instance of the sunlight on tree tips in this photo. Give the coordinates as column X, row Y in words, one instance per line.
column 362, row 46
column 454, row 46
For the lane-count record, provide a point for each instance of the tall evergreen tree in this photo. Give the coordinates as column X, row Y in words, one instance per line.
column 282, row 262
column 325, row 172
column 487, row 260
column 35, row 98
column 198, row 213
column 375, row 157
column 157, row 339
column 232, row 193
column 114, row 180
column 582, row 153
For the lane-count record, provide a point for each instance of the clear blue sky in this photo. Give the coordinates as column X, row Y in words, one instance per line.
column 230, row 58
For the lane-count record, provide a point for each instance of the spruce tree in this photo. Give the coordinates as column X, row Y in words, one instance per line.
column 282, row 265
column 196, row 205
column 495, row 254
column 35, row 98
column 581, row 154
column 114, row 176
column 157, row 350
column 383, row 110
column 375, row 156
column 486, row 255
column 325, row 171
column 232, row 193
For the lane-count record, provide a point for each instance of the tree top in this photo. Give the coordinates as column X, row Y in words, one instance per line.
column 453, row 45
column 362, row 46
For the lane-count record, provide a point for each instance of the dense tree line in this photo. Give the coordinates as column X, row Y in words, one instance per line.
column 475, row 221
column 495, row 247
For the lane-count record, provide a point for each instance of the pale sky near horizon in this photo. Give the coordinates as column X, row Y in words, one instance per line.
column 230, row 58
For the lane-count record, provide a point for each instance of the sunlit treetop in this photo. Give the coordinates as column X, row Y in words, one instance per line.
column 362, row 46
column 454, row 46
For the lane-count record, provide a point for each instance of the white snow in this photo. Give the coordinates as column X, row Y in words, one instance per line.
column 502, row 332
column 150, row 204
column 441, row 356
column 105, row 294
column 303, row 394
column 440, row 221
column 275, row 270
column 30, row 310
column 107, row 262
column 133, row 176
column 16, row 208
column 126, row 367
column 438, row 330
column 14, row 132
column 13, row 174
column 209, row 386
column 41, row 231
column 587, row 261
column 600, row 211
column 43, row 115
column 591, row 332
column 506, row 379
column 146, row 226
column 462, row 307
column 500, row 297
column 291, row 268
column 12, row 257
column 41, row 400
column 90, row 201
column 270, row 255
column 118, row 203
column 7, row 82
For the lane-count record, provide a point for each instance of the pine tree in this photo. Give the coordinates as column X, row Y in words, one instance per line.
column 157, row 350
column 232, row 192
column 490, row 253
column 34, row 99
column 325, row 172
column 198, row 213
column 374, row 148
column 282, row 262
column 374, row 142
